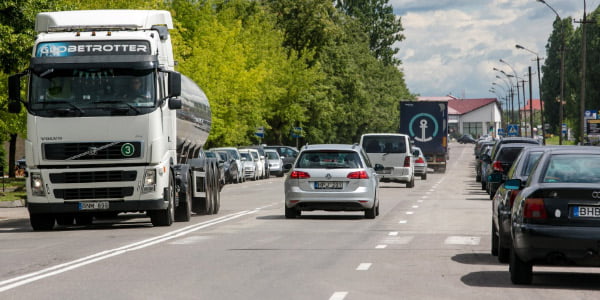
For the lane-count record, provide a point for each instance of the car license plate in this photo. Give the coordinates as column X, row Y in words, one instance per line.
column 586, row 211
column 329, row 185
column 93, row 205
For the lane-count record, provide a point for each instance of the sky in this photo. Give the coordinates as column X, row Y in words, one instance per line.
column 452, row 46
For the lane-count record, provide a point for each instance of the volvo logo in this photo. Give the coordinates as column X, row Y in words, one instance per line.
column 328, row 176
column 596, row 194
column 93, row 151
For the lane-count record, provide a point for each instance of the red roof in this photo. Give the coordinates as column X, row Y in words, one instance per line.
column 461, row 106
column 537, row 105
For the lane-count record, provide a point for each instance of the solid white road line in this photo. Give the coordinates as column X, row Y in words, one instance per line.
column 403, row 222
column 380, row 246
column 61, row 268
column 393, row 233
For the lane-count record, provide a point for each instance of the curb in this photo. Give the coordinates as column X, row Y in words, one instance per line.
column 12, row 204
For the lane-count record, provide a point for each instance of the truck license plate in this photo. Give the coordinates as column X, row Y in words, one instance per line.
column 329, row 185
column 586, row 211
column 93, row 205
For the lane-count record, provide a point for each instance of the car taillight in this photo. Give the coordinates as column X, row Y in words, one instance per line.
column 407, row 162
column 497, row 166
column 420, row 160
column 534, row 209
column 299, row 175
column 513, row 195
column 358, row 175
column 439, row 159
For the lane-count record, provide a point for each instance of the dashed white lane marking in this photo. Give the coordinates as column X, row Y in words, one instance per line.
column 424, row 197
column 403, row 222
column 363, row 267
column 78, row 263
column 380, row 246
column 415, row 206
column 462, row 240
column 398, row 240
column 420, row 201
column 431, row 190
column 338, row 296
column 393, row 233
column 409, row 212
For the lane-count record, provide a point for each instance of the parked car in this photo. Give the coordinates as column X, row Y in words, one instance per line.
column 232, row 173
column 512, row 140
column 332, row 177
column 501, row 163
column 275, row 162
column 249, row 165
column 288, row 154
column 261, row 152
column 466, row 139
column 483, row 168
column 235, row 154
column 260, row 160
column 556, row 217
column 420, row 163
column 503, row 200
column 486, row 148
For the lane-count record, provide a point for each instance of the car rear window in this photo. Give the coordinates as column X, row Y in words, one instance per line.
column 329, row 160
column 573, row 168
column 384, row 144
column 509, row 154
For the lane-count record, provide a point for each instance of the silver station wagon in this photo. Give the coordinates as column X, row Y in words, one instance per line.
column 332, row 177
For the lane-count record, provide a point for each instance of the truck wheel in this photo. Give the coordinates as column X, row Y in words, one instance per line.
column 217, row 194
column 42, row 222
column 183, row 213
column 165, row 217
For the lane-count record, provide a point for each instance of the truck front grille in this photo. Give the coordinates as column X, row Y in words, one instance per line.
column 99, row 176
column 92, row 151
column 93, row 193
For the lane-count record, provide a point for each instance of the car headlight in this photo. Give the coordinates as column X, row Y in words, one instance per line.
column 37, row 184
column 149, row 181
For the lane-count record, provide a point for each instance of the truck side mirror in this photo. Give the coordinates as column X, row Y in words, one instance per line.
column 174, row 84
column 14, row 94
column 175, row 103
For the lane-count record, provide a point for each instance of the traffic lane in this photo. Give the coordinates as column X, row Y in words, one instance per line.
column 23, row 251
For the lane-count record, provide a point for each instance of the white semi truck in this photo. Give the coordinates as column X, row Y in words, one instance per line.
column 111, row 126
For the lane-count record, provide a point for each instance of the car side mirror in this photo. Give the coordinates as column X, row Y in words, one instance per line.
column 378, row 167
column 287, row 166
column 513, row 184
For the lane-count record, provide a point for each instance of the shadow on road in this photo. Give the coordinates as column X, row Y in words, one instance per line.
column 546, row 280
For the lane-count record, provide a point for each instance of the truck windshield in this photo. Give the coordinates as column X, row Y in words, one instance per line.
column 92, row 92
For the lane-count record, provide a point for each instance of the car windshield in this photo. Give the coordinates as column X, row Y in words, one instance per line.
column 573, row 168
column 92, row 92
column 271, row 155
column 246, row 156
column 328, row 160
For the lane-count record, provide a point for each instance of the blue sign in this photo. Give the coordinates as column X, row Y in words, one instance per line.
column 501, row 132
column 512, row 129
column 297, row 132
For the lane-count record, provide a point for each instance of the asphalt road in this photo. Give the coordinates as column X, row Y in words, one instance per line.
column 429, row 242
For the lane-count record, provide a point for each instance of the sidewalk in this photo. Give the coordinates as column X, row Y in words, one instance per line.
column 13, row 210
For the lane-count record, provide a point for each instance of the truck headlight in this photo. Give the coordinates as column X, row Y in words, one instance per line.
column 37, row 184
column 149, row 181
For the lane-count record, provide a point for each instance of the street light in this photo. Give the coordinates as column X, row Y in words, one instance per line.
column 518, row 98
column 537, row 58
column 562, row 71
column 508, row 82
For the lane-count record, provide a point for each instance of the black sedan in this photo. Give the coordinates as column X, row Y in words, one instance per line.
column 556, row 217
column 503, row 200
column 466, row 139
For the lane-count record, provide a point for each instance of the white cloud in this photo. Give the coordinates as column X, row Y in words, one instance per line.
column 452, row 46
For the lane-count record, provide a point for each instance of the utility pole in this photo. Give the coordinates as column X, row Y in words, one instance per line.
column 583, row 77
column 530, row 104
column 524, row 102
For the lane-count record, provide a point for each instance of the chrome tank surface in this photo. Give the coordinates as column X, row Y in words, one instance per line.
column 194, row 118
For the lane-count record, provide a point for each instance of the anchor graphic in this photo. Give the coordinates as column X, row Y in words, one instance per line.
column 423, row 124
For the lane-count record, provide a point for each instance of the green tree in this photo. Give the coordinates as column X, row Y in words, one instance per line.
column 382, row 26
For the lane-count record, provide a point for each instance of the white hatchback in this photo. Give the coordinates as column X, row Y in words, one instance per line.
column 332, row 177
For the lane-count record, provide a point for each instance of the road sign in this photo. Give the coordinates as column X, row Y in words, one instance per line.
column 297, row 132
column 260, row 132
column 512, row 129
column 564, row 128
column 501, row 132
